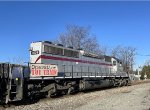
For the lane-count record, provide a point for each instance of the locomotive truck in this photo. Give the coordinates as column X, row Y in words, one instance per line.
column 54, row 69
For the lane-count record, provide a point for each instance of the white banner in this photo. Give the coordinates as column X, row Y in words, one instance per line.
column 43, row 70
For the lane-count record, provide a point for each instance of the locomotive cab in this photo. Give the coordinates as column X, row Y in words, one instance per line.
column 116, row 65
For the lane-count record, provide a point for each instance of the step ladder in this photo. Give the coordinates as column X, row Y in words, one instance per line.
column 13, row 91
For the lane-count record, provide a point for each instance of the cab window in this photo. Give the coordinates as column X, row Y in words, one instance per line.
column 114, row 63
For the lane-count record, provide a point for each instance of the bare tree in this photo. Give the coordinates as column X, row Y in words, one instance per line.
column 90, row 44
column 126, row 55
column 147, row 63
column 74, row 36
column 79, row 37
column 115, row 51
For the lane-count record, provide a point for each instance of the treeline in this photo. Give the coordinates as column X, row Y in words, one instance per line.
column 146, row 70
column 80, row 37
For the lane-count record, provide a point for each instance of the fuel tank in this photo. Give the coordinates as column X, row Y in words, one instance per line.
column 94, row 83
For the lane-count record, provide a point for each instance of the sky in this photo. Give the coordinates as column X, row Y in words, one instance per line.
column 113, row 22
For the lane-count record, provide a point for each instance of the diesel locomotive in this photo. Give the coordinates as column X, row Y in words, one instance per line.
column 54, row 69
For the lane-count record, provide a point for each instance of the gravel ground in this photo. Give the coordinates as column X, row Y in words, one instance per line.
column 131, row 98
column 136, row 97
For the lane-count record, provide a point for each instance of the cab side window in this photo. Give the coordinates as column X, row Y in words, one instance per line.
column 114, row 63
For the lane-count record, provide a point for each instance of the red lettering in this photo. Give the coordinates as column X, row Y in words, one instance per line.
column 39, row 72
column 47, row 72
column 32, row 72
column 53, row 72
column 44, row 72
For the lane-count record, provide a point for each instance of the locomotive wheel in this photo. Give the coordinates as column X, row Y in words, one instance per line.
column 124, row 82
column 128, row 82
column 6, row 105
column 48, row 94
column 71, row 90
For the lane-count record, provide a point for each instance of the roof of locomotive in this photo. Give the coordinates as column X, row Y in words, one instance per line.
column 90, row 54
column 57, row 45
column 82, row 52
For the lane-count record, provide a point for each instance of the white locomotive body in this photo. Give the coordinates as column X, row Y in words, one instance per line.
column 74, row 63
